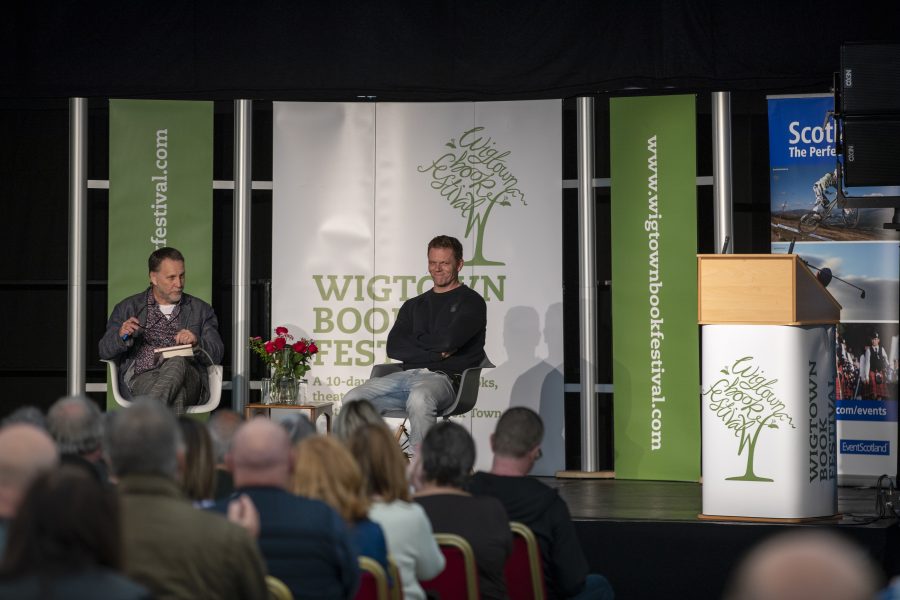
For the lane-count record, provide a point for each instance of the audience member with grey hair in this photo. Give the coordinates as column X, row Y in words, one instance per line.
column 27, row 414
column 298, row 428
column 170, row 547
column 447, row 457
column 222, row 426
column 77, row 424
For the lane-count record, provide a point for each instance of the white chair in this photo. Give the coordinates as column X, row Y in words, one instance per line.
column 214, row 372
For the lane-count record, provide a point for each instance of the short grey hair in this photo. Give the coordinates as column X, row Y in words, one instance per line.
column 76, row 423
column 519, row 431
column 143, row 439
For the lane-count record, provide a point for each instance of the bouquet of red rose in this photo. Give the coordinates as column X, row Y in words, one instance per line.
column 284, row 356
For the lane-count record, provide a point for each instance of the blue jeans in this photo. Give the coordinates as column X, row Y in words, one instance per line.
column 420, row 393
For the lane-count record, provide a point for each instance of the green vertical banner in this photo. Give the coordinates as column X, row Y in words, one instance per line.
column 654, row 301
column 160, row 191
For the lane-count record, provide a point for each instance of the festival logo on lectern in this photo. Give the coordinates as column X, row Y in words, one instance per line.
column 474, row 178
column 744, row 400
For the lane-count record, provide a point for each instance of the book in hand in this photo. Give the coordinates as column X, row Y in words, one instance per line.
column 172, row 351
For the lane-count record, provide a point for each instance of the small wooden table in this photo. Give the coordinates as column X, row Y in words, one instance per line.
column 313, row 410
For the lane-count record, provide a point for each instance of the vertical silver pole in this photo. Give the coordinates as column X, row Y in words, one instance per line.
column 243, row 182
column 75, row 367
column 587, row 281
column 721, row 114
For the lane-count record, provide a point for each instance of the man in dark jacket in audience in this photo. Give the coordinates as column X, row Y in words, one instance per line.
column 516, row 443
column 170, row 547
column 305, row 542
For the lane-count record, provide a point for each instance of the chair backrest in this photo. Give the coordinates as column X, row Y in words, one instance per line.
column 213, row 372
column 523, row 572
column 396, row 583
column 467, row 394
column 277, row 589
column 373, row 584
column 459, row 579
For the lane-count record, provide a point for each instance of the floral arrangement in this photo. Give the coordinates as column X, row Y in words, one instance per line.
column 284, row 357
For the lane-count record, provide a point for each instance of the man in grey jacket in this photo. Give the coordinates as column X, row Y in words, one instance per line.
column 162, row 316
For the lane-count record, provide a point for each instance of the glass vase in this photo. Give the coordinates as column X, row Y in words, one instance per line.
column 285, row 389
column 265, row 390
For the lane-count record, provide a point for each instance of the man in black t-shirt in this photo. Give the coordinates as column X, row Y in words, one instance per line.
column 437, row 335
column 516, row 443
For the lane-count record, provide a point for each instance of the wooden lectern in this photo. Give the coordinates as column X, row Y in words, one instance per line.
column 773, row 289
column 767, row 395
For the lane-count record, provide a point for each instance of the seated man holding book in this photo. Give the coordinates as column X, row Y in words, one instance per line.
column 143, row 329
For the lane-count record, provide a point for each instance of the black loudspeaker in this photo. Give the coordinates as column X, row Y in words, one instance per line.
column 871, row 152
column 870, row 79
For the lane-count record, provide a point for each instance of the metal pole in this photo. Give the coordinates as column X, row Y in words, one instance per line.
column 587, row 281
column 723, row 222
column 75, row 367
column 243, row 181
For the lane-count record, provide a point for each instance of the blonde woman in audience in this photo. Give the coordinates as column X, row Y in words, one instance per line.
column 354, row 415
column 410, row 540
column 324, row 470
column 198, row 478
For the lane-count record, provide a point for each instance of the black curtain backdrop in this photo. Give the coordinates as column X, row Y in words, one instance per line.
column 439, row 50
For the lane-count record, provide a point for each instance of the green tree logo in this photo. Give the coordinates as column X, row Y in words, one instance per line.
column 746, row 403
column 474, row 178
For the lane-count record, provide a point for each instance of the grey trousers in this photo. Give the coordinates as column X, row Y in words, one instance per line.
column 175, row 382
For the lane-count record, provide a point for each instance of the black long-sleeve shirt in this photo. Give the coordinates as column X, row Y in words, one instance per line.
column 432, row 323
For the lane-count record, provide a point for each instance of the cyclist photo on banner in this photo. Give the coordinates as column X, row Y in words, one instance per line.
column 829, row 206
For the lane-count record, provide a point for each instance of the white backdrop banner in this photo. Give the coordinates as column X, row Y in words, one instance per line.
column 360, row 189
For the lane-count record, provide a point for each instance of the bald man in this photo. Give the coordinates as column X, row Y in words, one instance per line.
column 303, row 541
column 808, row 565
column 25, row 451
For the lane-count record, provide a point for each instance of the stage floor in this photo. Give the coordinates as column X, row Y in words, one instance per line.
column 614, row 499
column 647, row 539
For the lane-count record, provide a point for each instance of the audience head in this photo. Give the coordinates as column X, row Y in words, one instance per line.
column 76, row 424
column 144, row 439
column 298, row 428
column 261, row 455
column 518, row 433
column 68, row 521
column 25, row 451
column 222, row 426
column 806, row 565
column 325, row 470
column 354, row 415
column 382, row 463
column 448, row 455
column 198, row 477
column 30, row 415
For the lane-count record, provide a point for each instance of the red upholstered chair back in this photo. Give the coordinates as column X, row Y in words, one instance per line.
column 459, row 579
column 373, row 583
column 523, row 572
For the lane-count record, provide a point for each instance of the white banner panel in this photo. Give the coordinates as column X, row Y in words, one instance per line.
column 768, row 418
column 360, row 189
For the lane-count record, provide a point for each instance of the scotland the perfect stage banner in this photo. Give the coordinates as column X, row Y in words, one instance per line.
column 654, row 289
column 855, row 247
column 160, row 191
column 360, row 189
